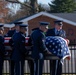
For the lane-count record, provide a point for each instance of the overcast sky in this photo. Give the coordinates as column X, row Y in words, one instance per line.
column 42, row 1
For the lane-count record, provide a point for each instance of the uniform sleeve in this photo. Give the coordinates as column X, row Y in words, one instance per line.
column 2, row 48
column 11, row 42
column 42, row 43
column 47, row 33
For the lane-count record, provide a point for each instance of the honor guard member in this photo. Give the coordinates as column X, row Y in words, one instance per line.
column 19, row 50
column 10, row 34
column 39, row 48
column 2, row 49
column 56, row 31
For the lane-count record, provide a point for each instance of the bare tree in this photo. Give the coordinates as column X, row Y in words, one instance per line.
column 33, row 5
column 3, row 11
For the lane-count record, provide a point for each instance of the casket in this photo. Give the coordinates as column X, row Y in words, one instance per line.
column 56, row 45
column 6, row 41
column 8, row 48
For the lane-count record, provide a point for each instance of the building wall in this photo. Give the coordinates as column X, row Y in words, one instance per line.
column 70, row 29
column 70, row 32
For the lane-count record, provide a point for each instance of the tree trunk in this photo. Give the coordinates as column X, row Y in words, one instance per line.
column 34, row 5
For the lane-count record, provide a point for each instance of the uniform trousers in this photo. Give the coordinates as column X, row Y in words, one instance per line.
column 55, row 67
column 11, row 63
column 1, row 66
column 17, row 67
column 38, row 66
column 31, row 66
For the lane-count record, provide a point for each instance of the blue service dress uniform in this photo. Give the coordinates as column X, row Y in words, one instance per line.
column 53, row 63
column 10, row 34
column 2, row 52
column 54, row 32
column 18, row 54
column 38, row 41
column 11, row 63
column 30, row 62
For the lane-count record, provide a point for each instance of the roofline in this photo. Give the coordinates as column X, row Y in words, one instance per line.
column 49, row 15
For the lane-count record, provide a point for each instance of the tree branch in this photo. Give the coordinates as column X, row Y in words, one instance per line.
column 17, row 1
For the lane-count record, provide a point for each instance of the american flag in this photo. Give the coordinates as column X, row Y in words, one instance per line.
column 58, row 47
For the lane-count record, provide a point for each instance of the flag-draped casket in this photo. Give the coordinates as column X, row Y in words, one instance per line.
column 56, row 45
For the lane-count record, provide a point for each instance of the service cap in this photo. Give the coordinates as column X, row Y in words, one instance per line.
column 18, row 23
column 58, row 22
column 23, row 25
column 44, row 23
column 9, row 25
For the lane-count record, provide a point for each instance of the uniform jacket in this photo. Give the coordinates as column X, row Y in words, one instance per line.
column 2, row 48
column 18, row 47
column 38, row 40
column 52, row 32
